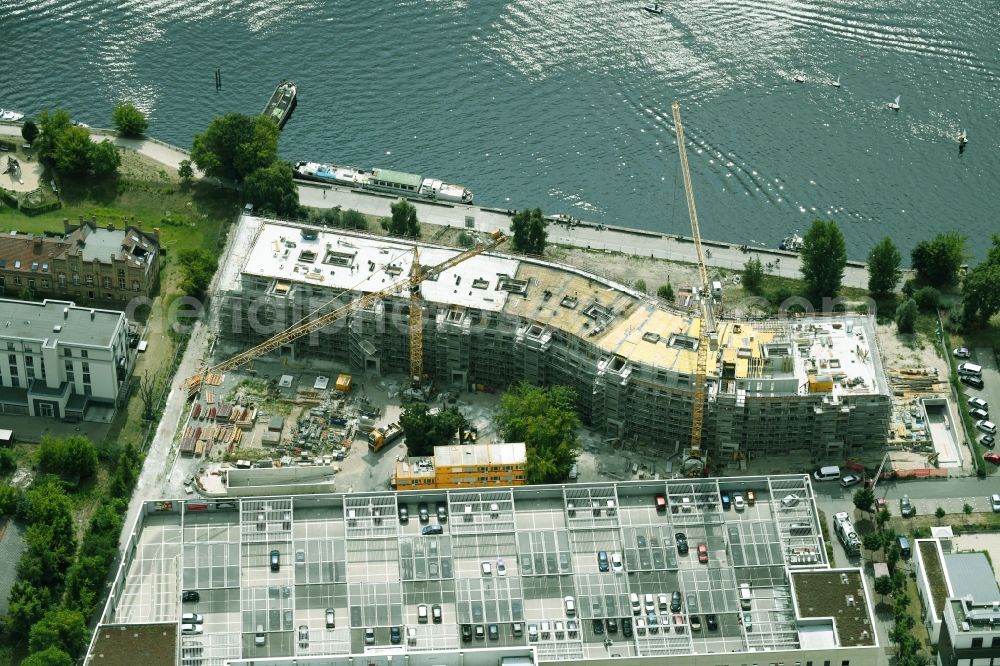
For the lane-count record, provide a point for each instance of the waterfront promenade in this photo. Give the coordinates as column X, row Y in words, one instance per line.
column 582, row 234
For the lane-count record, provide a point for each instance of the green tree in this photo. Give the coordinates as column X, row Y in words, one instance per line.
column 980, row 296
column 465, row 240
column 404, row 219
column 906, row 316
column 10, row 498
column 271, row 188
column 864, row 499
column 197, row 266
column 882, row 517
column 927, row 299
column 545, row 420
column 528, row 232
column 884, row 263
column 72, row 456
column 27, row 605
column 61, row 628
column 50, row 656
column 666, row 292
column 51, row 125
column 883, row 586
column 185, row 171
column 8, row 463
column 753, row 275
column 872, row 542
column 29, row 130
column 640, row 285
column 352, row 219
column 104, row 158
column 823, row 257
column 128, row 120
column 967, row 509
column 424, row 430
column 235, row 145
column 938, row 260
column 73, row 150
column 939, row 514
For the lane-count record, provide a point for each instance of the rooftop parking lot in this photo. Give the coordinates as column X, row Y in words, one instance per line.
column 630, row 569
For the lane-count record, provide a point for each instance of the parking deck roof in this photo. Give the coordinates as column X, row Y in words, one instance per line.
column 311, row 575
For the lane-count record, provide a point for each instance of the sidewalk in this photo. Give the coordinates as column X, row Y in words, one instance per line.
column 581, row 234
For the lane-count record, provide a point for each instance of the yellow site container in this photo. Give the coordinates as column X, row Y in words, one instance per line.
column 344, row 383
column 820, row 383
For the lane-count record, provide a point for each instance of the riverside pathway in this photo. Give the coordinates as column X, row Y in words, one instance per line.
column 581, row 234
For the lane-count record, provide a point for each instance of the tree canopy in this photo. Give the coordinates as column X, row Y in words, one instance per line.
column 61, row 628
column 50, row 656
column 906, row 316
column 235, row 145
column 104, row 158
column 864, row 499
column 665, row 291
column 271, row 188
column 938, row 260
column 128, row 120
column 74, row 456
column 404, row 220
column 29, row 130
column 545, row 420
column 51, row 124
column 184, row 170
column 753, row 275
column 980, row 291
column 68, row 147
column 73, row 151
column 824, row 256
column 198, row 266
column 424, row 430
column 528, row 232
column 884, row 272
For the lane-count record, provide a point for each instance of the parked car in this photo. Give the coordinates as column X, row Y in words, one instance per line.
column 423, row 512
column 616, row 563
column 971, row 380
column 370, row 636
column 260, row 638
column 979, row 414
column 431, row 529
column 404, row 514
column 191, row 629
column 635, row 603
column 331, row 622
column 738, row 502
column 751, row 497
column 661, row 503
column 192, row 618
column 726, row 502
column 675, row 602
column 988, row 427
column 979, row 403
column 962, row 352
column 627, row 627
column 612, row 625
column 602, row 561
column 703, row 553
column 395, row 635
column 598, row 626
column 906, row 509
column 442, row 512
column 712, row 622
column 849, row 480
column 992, row 458
column 682, row 543
column 570, row 604
column 190, row 595
column 532, row 632
column 494, row 632
column 989, row 441
column 486, row 568
column 501, row 567
column 422, row 613
column 995, row 503
column 695, row 621
column 436, row 613
column 467, row 633
column 303, row 636
column 663, row 601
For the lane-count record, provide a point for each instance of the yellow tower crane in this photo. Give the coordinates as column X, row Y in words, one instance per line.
column 695, row 463
column 416, row 322
column 316, row 321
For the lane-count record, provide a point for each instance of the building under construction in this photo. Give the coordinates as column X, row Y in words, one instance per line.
column 805, row 385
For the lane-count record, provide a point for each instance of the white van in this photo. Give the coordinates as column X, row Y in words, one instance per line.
column 831, row 473
column 970, row 369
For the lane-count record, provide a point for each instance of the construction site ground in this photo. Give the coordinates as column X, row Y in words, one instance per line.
column 926, row 375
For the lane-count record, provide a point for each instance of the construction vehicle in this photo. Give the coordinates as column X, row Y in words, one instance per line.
column 845, row 532
column 316, row 321
column 379, row 437
column 694, row 464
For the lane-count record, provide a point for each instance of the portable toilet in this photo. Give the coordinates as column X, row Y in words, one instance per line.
column 344, row 383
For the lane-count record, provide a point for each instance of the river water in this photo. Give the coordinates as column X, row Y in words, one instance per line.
column 565, row 104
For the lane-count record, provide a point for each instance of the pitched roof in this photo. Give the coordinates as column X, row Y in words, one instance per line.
column 28, row 252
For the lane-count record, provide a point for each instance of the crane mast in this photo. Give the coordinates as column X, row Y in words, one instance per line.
column 416, row 322
column 315, row 322
column 706, row 325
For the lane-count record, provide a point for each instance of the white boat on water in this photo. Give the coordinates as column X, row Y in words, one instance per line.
column 384, row 180
column 836, row 84
column 963, row 138
column 10, row 115
column 894, row 104
column 798, row 78
column 653, row 8
column 791, row 243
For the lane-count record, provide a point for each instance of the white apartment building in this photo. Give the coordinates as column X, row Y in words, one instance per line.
column 58, row 359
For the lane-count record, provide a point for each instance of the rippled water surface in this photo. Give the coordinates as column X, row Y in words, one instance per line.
column 566, row 104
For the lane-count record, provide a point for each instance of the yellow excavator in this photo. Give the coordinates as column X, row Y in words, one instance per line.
column 318, row 319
